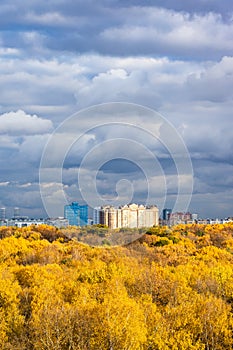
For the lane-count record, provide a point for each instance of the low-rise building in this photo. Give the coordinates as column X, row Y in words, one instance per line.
column 59, row 222
column 179, row 218
column 24, row 222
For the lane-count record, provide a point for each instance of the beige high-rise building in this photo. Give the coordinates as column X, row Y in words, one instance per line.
column 132, row 215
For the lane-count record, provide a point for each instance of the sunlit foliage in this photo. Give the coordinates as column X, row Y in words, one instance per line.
column 171, row 289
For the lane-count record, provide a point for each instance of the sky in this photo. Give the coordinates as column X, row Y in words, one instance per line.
column 60, row 58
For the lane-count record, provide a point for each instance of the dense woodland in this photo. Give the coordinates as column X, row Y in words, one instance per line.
column 170, row 289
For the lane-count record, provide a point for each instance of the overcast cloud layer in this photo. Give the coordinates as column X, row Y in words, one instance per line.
column 60, row 57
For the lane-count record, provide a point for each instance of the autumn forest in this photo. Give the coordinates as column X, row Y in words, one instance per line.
column 172, row 288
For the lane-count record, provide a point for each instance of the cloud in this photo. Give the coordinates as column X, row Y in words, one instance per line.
column 55, row 19
column 6, row 183
column 42, row 87
column 214, row 83
column 91, row 79
column 164, row 32
column 115, row 29
column 175, row 57
column 173, row 86
column 20, row 123
column 154, row 82
column 23, row 195
column 32, row 148
column 213, row 205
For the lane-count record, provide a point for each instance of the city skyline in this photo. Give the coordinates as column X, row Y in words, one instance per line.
column 59, row 58
column 89, row 214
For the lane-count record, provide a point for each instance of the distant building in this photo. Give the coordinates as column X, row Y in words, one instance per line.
column 132, row 216
column 2, row 214
column 166, row 214
column 195, row 217
column 90, row 222
column 96, row 215
column 3, row 222
column 180, row 218
column 76, row 214
column 58, row 222
column 24, row 222
column 16, row 213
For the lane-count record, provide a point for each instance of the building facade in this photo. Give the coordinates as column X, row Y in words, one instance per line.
column 132, row 216
column 76, row 214
column 16, row 213
column 180, row 218
column 59, row 222
column 166, row 214
column 24, row 222
column 96, row 215
column 2, row 213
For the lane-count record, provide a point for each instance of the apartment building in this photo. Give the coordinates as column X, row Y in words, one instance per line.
column 131, row 215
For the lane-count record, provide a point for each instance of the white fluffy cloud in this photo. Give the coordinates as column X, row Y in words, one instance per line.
column 20, row 123
column 158, row 30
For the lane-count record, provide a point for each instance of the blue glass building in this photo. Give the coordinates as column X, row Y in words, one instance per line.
column 166, row 214
column 76, row 214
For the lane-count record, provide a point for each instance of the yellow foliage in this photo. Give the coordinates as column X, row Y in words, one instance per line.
column 59, row 294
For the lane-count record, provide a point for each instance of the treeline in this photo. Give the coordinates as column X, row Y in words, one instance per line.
column 170, row 289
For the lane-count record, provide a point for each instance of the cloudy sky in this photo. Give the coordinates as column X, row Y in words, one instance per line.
column 60, row 57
